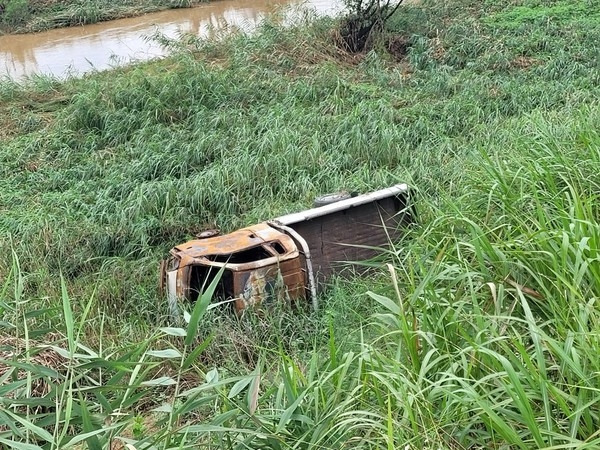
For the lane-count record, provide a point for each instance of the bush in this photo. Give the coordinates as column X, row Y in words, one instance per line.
column 15, row 12
column 365, row 19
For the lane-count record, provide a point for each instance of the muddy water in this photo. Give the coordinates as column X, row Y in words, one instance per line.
column 77, row 50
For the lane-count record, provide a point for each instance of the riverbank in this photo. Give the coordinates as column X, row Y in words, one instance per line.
column 27, row 16
column 74, row 51
column 483, row 330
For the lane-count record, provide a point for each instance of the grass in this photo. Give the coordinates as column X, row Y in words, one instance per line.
column 26, row 16
column 481, row 332
column 561, row 12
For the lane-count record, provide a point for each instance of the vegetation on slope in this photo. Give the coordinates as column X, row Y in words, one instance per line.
column 25, row 16
column 485, row 329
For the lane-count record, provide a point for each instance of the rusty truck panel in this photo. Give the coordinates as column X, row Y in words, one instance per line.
column 351, row 231
column 281, row 282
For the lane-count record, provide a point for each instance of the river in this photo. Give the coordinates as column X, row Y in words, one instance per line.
column 74, row 51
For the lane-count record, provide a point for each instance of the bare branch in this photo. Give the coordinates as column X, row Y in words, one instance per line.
column 365, row 18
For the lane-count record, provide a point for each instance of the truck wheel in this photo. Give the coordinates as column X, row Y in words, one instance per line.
column 328, row 199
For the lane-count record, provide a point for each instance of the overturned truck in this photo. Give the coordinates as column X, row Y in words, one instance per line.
column 288, row 258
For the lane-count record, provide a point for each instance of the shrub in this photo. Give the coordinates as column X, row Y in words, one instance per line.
column 15, row 12
column 366, row 19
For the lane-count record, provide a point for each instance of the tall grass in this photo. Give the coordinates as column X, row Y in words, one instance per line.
column 142, row 158
column 482, row 331
column 488, row 334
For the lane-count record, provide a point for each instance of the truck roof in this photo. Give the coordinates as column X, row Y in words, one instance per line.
column 271, row 242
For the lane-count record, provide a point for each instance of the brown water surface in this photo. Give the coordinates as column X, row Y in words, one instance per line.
column 77, row 50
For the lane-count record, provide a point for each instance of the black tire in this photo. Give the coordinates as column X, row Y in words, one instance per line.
column 328, row 199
